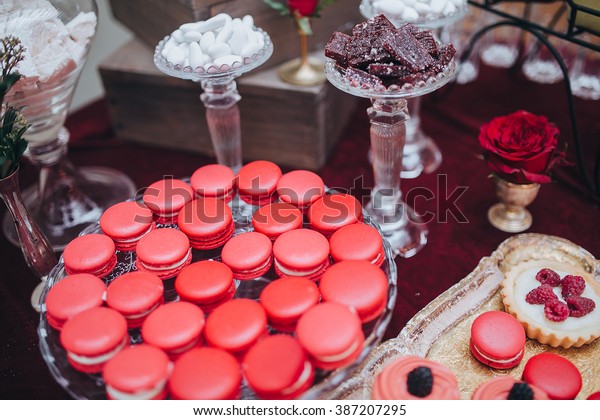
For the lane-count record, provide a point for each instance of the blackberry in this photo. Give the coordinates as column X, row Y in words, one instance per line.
column 520, row 391
column 420, row 381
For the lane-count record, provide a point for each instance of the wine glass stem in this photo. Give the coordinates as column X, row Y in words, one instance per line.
column 388, row 136
column 220, row 98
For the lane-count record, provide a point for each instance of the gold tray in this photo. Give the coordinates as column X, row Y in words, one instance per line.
column 441, row 330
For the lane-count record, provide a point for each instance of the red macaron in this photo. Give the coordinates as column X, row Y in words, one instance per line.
column 257, row 182
column 207, row 222
column 175, row 327
column 358, row 241
column 333, row 211
column 235, row 326
column 135, row 295
column 92, row 254
column 165, row 198
column 497, row 340
column 285, row 300
column 357, row 284
column 276, row 218
column 205, row 374
column 554, row 374
column 139, row 372
column 126, row 223
column 331, row 333
column 93, row 337
column 249, row 255
column 72, row 295
column 207, row 284
column 301, row 253
column 215, row 181
column 278, row 368
column 164, row 252
column 300, row 188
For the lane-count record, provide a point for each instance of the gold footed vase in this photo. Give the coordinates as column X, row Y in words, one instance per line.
column 303, row 71
column 510, row 214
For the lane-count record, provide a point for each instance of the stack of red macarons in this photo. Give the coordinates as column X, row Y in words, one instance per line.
column 320, row 260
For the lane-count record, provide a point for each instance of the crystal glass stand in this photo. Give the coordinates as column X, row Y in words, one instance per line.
column 421, row 154
column 400, row 225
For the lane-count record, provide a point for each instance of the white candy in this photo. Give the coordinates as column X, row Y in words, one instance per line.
column 437, row 6
column 219, row 49
column 239, row 38
column 168, row 45
column 390, row 7
column 196, row 56
column 207, row 40
column 410, row 15
column 249, row 50
column 83, row 26
column 225, row 32
column 186, row 27
column 177, row 35
column 227, row 60
column 249, row 21
column 459, row 3
column 422, row 8
column 176, row 55
column 260, row 39
column 409, row 3
column 192, row 36
column 449, row 9
column 214, row 22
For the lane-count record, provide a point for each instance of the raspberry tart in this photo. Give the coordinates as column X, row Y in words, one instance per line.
column 557, row 303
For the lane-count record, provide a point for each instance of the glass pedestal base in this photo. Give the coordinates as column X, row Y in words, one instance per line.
column 404, row 230
column 421, row 154
column 102, row 187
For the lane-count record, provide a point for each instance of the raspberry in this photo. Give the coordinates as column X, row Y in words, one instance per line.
column 572, row 286
column 541, row 295
column 556, row 311
column 580, row 306
column 520, row 391
column 419, row 381
column 548, row 276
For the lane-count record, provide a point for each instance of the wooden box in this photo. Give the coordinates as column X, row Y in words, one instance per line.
column 152, row 20
column 292, row 126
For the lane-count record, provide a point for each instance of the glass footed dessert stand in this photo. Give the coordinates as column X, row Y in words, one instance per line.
column 421, row 154
column 66, row 198
column 401, row 226
column 220, row 100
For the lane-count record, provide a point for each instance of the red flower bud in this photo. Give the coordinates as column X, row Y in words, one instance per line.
column 304, row 7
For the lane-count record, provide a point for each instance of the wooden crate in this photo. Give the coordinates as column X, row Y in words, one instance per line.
column 293, row 126
column 152, row 20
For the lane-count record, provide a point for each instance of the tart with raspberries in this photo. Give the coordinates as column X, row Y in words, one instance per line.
column 557, row 303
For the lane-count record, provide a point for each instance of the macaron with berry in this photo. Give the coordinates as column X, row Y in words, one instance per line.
column 507, row 388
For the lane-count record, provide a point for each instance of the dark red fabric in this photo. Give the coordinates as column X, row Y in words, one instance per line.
column 452, row 117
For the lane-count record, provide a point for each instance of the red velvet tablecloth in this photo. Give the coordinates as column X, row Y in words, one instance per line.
column 452, row 117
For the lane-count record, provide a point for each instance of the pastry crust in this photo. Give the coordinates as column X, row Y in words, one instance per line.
column 573, row 332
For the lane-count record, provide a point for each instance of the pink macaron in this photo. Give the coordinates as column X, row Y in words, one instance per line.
column 357, row 284
column 206, row 374
column 126, row 223
column 300, row 188
column 301, row 253
column 278, row 368
column 285, row 300
column 217, row 181
column 207, row 222
column 139, row 372
column 554, row 374
column 357, row 242
column 257, row 182
column 497, row 340
column 249, row 255
column 164, row 252
column 165, row 198
column 135, row 295
column 93, row 337
column 207, row 284
column 276, row 218
column 72, row 295
column 235, row 326
column 92, row 254
column 332, row 211
column 331, row 333
column 175, row 327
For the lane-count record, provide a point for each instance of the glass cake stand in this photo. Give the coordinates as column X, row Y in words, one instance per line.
column 91, row 386
column 421, row 154
column 400, row 225
column 220, row 98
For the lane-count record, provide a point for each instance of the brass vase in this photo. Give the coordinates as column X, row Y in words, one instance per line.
column 303, row 71
column 510, row 214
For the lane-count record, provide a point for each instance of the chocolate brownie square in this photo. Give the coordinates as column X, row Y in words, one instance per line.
column 375, row 24
column 336, row 48
column 406, row 49
column 427, row 40
column 362, row 79
column 366, row 49
column 387, row 70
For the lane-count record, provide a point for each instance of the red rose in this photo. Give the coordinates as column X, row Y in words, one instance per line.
column 521, row 147
column 304, row 7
